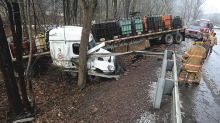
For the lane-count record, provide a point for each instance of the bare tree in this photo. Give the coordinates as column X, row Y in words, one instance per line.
column 75, row 6
column 6, row 62
column 8, row 74
column 127, row 5
column 88, row 9
column 28, row 81
column 17, row 38
column 190, row 10
column 134, row 3
column 23, row 18
column 197, row 8
column 3, row 12
column 150, row 9
column 115, row 8
column 106, row 9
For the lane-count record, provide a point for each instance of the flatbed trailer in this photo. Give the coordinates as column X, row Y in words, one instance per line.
column 162, row 37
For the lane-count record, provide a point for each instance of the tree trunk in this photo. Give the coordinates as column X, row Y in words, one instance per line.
column 64, row 11
column 75, row 5
column 30, row 38
column 115, row 8
column 127, row 4
column 134, row 2
column 106, row 9
column 80, row 16
column 150, row 8
column 157, row 7
column 185, row 8
column 28, row 81
column 67, row 12
column 43, row 16
column 139, row 5
column 19, row 60
column 25, row 32
column 88, row 9
column 35, row 19
column 7, row 69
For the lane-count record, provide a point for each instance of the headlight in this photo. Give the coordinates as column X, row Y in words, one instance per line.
column 207, row 30
column 110, row 67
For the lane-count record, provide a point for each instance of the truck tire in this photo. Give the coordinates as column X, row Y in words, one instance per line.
column 168, row 39
column 178, row 38
column 93, row 78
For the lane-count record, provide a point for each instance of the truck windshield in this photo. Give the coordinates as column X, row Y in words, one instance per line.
column 194, row 27
column 92, row 44
column 203, row 24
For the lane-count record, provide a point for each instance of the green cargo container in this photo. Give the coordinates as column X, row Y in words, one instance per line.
column 138, row 25
column 125, row 26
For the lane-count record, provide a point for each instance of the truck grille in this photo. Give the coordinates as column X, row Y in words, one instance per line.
column 191, row 32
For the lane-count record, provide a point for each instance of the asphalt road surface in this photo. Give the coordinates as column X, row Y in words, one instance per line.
column 200, row 103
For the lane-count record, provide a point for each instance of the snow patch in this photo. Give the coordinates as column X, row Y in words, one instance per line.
column 147, row 117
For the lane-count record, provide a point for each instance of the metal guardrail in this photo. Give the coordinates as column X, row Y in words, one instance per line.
column 169, row 86
column 176, row 112
column 145, row 53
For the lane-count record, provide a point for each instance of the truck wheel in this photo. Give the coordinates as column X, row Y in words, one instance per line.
column 169, row 39
column 93, row 78
column 178, row 38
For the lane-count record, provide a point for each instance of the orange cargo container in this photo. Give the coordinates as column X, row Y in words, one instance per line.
column 167, row 20
column 145, row 23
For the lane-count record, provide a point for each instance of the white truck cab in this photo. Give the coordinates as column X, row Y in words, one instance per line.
column 64, row 45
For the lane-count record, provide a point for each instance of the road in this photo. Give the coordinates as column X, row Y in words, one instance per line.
column 201, row 103
column 213, row 63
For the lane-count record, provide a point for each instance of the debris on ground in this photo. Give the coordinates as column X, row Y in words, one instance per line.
column 58, row 98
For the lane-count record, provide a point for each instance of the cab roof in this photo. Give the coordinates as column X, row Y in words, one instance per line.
column 65, row 33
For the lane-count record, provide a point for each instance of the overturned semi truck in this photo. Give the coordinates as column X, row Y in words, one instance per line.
column 64, row 42
column 64, row 50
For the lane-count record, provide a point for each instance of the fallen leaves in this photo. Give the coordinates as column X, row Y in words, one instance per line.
column 59, row 114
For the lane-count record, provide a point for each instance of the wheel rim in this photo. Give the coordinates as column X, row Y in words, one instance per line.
column 169, row 40
column 179, row 38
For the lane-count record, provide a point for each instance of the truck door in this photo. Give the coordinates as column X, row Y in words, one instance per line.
column 58, row 50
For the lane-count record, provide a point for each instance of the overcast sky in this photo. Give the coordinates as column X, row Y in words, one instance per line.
column 211, row 6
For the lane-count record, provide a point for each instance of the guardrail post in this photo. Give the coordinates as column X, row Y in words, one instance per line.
column 169, row 65
column 169, row 86
column 164, row 86
column 159, row 93
column 164, row 65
